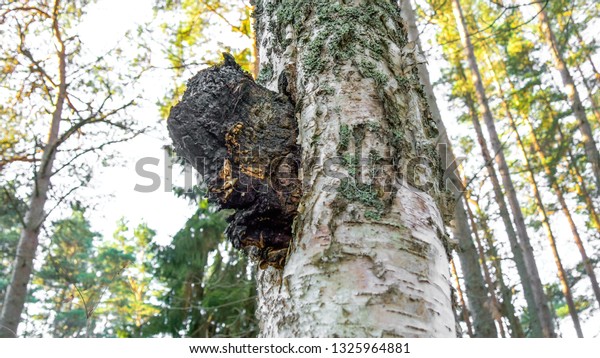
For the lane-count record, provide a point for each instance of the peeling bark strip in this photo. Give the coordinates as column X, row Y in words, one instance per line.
column 368, row 257
column 241, row 137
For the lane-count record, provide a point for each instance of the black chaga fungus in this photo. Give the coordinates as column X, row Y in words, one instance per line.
column 241, row 137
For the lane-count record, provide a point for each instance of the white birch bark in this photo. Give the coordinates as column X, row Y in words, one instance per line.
column 365, row 262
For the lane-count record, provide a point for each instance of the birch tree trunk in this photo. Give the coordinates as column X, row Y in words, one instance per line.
column 16, row 292
column 369, row 256
column 541, row 302
column 587, row 136
column 469, row 262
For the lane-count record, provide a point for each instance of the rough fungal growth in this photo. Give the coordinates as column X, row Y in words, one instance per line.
column 241, row 137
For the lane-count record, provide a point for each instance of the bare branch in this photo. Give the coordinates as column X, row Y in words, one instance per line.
column 214, row 11
column 60, row 200
column 474, row 34
column 93, row 149
column 25, row 9
column 94, row 119
column 15, row 158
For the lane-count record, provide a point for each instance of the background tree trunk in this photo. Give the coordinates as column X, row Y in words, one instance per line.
column 478, row 300
column 504, row 214
column 562, row 274
column 587, row 264
column 541, row 302
column 506, row 307
column 461, row 298
column 369, row 257
column 16, row 293
column 587, row 136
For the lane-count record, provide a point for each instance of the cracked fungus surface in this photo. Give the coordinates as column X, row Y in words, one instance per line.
column 241, row 137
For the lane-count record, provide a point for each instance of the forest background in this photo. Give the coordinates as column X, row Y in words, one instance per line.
column 119, row 257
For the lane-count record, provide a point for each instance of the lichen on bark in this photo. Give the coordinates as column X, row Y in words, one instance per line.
column 241, row 137
column 369, row 256
column 332, row 33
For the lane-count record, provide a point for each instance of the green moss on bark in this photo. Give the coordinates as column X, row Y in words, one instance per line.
column 365, row 194
column 369, row 70
column 364, row 37
column 265, row 74
column 346, row 31
column 345, row 134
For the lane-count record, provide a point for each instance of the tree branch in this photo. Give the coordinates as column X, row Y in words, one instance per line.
column 25, row 9
column 93, row 149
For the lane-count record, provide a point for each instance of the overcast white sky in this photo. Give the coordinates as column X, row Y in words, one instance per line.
column 106, row 23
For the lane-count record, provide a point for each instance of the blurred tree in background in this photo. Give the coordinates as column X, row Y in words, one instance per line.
column 209, row 289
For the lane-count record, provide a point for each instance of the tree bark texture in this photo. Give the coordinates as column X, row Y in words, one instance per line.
column 369, row 255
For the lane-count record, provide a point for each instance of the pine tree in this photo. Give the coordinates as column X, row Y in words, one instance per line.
column 539, row 297
column 587, row 136
column 55, row 84
column 67, row 268
column 209, row 291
